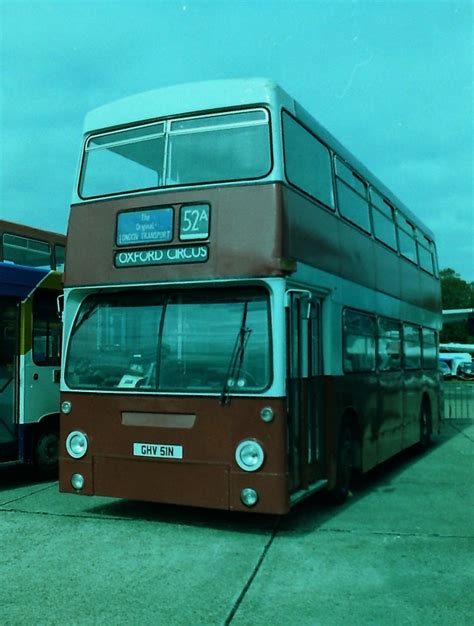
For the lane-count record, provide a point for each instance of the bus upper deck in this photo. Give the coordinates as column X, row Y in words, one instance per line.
column 238, row 181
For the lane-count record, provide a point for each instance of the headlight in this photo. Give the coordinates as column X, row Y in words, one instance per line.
column 76, row 444
column 66, row 407
column 249, row 455
column 267, row 414
column 77, row 481
column 249, row 496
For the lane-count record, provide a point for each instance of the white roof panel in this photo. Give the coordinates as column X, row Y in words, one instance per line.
column 185, row 98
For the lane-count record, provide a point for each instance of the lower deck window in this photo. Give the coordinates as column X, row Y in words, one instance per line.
column 430, row 352
column 176, row 341
column 359, row 342
column 389, row 345
column 411, row 347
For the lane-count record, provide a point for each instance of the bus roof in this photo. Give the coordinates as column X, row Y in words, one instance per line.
column 185, row 98
column 28, row 231
column 19, row 280
column 212, row 95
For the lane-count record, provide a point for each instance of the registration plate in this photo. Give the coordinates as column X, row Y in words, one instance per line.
column 158, row 450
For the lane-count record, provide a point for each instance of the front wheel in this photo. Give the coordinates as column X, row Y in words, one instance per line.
column 46, row 453
column 338, row 494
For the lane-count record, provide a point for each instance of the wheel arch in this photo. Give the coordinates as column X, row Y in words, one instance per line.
column 46, row 447
column 46, row 422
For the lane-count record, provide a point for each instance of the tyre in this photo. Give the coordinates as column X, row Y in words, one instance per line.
column 338, row 494
column 46, row 453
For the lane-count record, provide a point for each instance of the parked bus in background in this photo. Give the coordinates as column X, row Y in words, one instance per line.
column 24, row 245
column 30, row 345
column 256, row 315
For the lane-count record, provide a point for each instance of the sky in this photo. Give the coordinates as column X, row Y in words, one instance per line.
column 392, row 80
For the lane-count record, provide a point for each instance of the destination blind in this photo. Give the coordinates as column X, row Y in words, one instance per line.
column 162, row 256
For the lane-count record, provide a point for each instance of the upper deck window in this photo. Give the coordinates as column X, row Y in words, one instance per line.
column 383, row 217
column 203, row 149
column 352, row 196
column 307, row 162
column 425, row 254
column 407, row 239
column 26, row 251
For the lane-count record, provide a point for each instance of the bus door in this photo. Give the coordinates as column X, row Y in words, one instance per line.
column 9, row 325
column 304, row 375
column 42, row 367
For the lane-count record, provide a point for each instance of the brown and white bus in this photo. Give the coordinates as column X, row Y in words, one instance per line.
column 249, row 315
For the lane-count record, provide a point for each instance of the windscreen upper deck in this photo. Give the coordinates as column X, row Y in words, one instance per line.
column 222, row 147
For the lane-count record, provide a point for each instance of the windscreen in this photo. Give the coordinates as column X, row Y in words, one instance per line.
column 203, row 149
column 182, row 341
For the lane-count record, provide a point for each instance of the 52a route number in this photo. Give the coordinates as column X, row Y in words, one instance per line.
column 194, row 221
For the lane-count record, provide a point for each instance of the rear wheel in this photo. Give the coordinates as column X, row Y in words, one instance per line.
column 338, row 494
column 46, row 453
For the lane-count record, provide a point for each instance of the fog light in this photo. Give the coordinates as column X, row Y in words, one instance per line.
column 66, row 407
column 76, row 444
column 249, row 496
column 77, row 481
column 249, row 455
column 267, row 414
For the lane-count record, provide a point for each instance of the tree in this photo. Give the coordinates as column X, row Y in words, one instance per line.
column 456, row 293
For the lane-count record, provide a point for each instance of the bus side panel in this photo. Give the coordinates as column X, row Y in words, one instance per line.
column 411, row 285
column 353, row 399
column 311, row 233
column 390, row 430
column 357, row 255
column 412, row 398
column 431, row 388
column 39, row 390
column 387, row 270
column 317, row 236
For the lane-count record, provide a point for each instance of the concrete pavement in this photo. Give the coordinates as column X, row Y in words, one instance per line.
column 399, row 552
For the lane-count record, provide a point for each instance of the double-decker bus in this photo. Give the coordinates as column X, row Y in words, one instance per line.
column 30, row 345
column 250, row 314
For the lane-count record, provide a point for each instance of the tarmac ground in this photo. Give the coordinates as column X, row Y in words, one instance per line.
column 400, row 551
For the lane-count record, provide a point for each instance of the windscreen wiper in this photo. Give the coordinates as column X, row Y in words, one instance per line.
column 85, row 315
column 159, row 342
column 236, row 360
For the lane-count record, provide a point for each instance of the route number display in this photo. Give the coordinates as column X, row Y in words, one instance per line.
column 194, row 222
